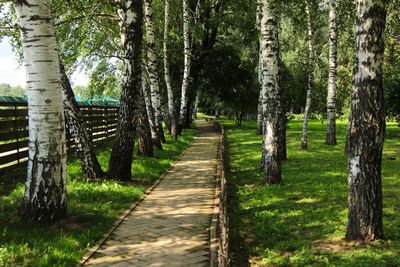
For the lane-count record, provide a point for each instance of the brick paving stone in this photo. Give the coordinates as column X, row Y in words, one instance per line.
column 170, row 227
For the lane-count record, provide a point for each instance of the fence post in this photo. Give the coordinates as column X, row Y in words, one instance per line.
column 16, row 130
column 107, row 122
column 90, row 122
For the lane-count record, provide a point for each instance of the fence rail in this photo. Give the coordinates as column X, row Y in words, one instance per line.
column 100, row 121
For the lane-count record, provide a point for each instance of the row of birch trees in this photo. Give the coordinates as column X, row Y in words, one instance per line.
column 125, row 29
column 55, row 34
column 367, row 118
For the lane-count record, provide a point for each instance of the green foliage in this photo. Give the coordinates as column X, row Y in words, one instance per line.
column 303, row 222
column 228, row 83
column 7, row 90
column 93, row 206
column 104, row 80
column 392, row 61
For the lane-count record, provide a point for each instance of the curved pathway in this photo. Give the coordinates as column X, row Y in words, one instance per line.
column 171, row 226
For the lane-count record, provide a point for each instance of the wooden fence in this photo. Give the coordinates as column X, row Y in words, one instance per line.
column 100, row 120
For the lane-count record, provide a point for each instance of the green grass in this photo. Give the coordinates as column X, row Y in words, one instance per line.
column 303, row 222
column 93, row 206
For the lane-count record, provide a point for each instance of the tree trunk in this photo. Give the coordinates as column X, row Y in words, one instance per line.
column 331, row 114
column 367, row 124
column 271, row 91
column 152, row 70
column 188, row 114
column 77, row 129
column 150, row 114
column 186, row 70
column 45, row 194
column 347, row 144
column 196, row 106
column 145, row 143
column 310, row 78
column 122, row 151
column 170, row 92
column 259, row 115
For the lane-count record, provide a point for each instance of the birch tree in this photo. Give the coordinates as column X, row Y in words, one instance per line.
column 310, row 77
column 271, row 91
column 152, row 70
column 170, row 92
column 331, row 112
column 367, row 124
column 77, row 128
column 145, row 143
column 45, row 194
column 186, row 70
column 122, row 151
column 150, row 112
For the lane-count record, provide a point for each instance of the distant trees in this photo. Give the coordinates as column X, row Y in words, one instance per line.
column 8, row 90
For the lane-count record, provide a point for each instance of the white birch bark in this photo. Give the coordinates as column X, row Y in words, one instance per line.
column 331, row 105
column 187, row 59
column 367, row 124
column 170, row 92
column 120, row 163
column 152, row 69
column 45, row 195
column 310, row 78
column 150, row 112
column 271, row 93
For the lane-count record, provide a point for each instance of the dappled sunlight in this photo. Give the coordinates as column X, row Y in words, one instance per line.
column 305, row 219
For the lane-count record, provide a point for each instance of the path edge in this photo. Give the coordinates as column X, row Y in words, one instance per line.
column 122, row 217
column 219, row 230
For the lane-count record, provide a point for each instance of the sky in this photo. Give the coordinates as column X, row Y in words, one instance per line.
column 14, row 74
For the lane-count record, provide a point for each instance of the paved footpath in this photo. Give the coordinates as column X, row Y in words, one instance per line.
column 171, row 226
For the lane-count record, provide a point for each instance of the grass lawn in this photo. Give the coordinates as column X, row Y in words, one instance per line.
column 303, row 222
column 93, row 206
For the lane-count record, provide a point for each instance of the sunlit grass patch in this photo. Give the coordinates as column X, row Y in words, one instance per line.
column 93, row 206
column 303, row 222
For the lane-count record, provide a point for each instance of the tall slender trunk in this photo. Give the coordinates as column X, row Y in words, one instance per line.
column 145, row 143
column 367, row 124
column 331, row 112
column 77, row 129
column 150, row 113
column 196, row 106
column 271, row 91
column 310, row 78
column 152, row 70
column 170, row 92
column 186, row 70
column 122, row 151
column 45, row 197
